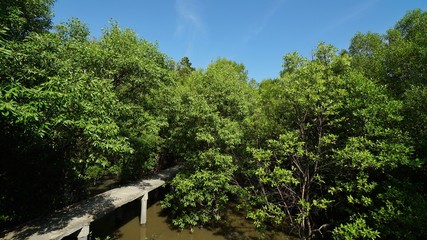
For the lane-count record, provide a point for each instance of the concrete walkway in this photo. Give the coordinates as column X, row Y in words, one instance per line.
column 78, row 217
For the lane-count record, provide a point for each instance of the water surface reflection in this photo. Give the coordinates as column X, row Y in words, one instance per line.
column 157, row 228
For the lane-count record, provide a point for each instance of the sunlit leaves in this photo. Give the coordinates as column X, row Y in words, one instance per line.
column 357, row 228
column 207, row 133
column 25, row 16
column 332, row 132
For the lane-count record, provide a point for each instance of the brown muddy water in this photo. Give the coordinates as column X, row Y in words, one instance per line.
column 124, row 224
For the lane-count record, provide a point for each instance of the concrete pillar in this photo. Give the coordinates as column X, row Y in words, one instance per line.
column 143, row 218
column 84, row 233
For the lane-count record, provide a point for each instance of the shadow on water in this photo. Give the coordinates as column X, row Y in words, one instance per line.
column 72, row 218
column 236, row 227
column 96, row 207
column 124, row 224
column 107, row 225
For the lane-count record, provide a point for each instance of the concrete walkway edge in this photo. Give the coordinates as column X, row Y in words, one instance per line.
column 78, row 216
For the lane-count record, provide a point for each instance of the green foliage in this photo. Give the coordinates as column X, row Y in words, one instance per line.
column 206, row 133
column 142, row 79
column 203, row 197
column 303, row 105
column 184, row 67
column 66, row 113
column 60, row 102
column 73, row 30
column 416, row 117
column 367, row 51
column 356, row 229
column 397, row 59
column 3, row 51
column 334, row 147
column 326, row 118
column 59, row 122
column 22, row 17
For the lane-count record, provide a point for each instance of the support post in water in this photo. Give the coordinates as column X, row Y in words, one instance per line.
column 143, row 218
column 84, row 233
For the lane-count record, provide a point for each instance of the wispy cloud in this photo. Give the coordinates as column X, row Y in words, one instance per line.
column 259, row 27
column 189, row 14
column 189, row 22
column 356, row 11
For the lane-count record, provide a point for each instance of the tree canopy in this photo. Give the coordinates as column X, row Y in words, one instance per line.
column 334, row 147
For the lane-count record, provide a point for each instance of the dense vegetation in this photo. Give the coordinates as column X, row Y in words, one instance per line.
column 334, row 147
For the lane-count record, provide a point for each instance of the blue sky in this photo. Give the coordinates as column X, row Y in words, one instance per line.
column 256, row 33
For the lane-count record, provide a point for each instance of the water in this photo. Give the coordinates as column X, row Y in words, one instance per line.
column 125, row 221
column 158, row 228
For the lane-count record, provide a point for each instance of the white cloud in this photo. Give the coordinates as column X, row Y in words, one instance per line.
column 354, row 12
column 258, row 28
column 188, row 12
column 189, row 22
